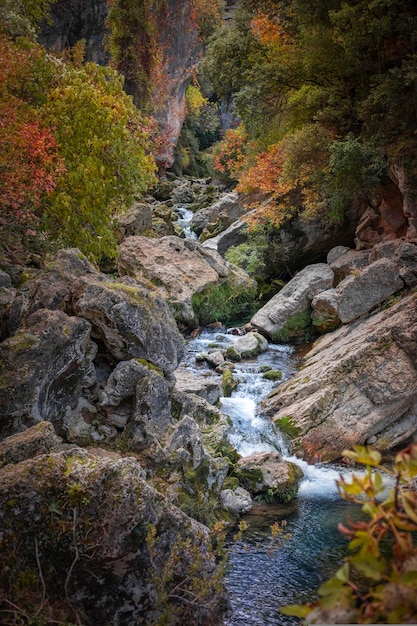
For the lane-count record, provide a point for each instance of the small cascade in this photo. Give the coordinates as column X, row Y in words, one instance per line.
column 260, row 580
column 184, row 221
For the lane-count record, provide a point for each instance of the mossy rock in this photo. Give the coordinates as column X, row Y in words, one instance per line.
column 288, row 426
column 232, row 354
column 229, row 383
column 272, row 375
column 298, row 327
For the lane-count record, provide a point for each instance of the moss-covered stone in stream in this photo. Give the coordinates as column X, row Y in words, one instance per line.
column 229, row 383
column 272, row 375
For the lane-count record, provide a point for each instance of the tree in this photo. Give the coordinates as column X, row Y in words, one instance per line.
column 74, row 148
column 104, row 141
column 30, row 163
column 341, row 66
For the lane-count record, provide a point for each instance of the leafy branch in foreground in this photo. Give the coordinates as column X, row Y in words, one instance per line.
column 378, row 583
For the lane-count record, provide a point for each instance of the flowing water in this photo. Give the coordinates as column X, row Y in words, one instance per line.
column 263, row 577
column 184, row 220
column 260, row 579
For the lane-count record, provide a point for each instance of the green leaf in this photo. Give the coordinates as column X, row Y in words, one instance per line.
column 363, row 454
column 368, row 565
column 296, row 610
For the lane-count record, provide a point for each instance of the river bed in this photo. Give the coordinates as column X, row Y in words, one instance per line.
column 261, row 578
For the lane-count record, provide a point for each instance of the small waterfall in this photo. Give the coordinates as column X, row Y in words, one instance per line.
column 184, row 221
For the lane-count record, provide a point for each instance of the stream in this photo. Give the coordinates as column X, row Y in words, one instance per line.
column 259, row 579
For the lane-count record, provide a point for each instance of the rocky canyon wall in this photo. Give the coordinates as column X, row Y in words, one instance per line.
column 171, row 47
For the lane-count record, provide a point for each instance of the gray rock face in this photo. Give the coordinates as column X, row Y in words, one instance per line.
column 403, row 254
column 97, row 525
column 40, row 439
column 46, row 368
column 206, row 387
column 247, row 346
column 347, row 263
column 293, row 299
column 130, row 322
column 236, row 501
column 136, row 221
column 179, row 269
column 234, row 235
column 219, row 215
column 358, row 293
column 88, row 360
column 358, row 386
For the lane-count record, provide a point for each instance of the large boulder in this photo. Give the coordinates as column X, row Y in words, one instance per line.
column 234, row 235
column 269, row 476
column 357, row 294
column 287, row 315
column 89, row 531
column 198, row 285
column 358, row 386
column 247, row 347
column 130, row 321
column 207, row 387
column 46, row 368
column 218, row 216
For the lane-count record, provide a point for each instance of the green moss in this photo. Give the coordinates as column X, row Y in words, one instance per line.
column 229, row 383
column 232, row 354
column 226, row 450
column 287, row 426
column 231, row 482
column 133, row 293
column 298, row 326
column 22, row 342
column 150, row 366
column 249, row 478
column 273, row 375
column 223, row 302
column 326, row 324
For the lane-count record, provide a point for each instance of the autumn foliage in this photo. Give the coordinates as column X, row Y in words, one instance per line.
column 30, row 164
column 74, row 150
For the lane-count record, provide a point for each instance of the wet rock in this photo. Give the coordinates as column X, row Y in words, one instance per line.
column 267, row 475
column 247, row 347
column 236, row 501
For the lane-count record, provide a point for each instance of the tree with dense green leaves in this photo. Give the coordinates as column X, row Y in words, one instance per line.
column 103, row 140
